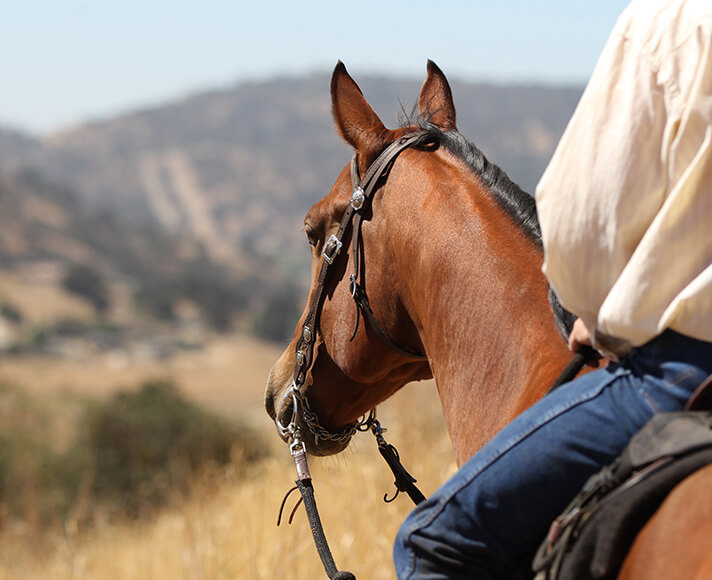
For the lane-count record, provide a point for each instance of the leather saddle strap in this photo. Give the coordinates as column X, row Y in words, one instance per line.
column 701, row 399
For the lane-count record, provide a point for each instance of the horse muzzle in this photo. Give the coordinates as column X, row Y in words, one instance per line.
column 290, row 411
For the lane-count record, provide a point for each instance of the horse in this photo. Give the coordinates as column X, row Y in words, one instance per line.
column 449, row 252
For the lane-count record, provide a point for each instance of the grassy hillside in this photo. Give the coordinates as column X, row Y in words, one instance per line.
column 237, row 169
column 227, row 529
column 49, row 237
column 197, row 205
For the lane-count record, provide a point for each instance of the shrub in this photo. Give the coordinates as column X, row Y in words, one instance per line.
column 149, row 445
column 279, row 315
column 11, row 313
column 86, row 282
column 64, row 458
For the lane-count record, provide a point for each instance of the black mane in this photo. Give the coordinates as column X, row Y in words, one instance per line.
column 514, row 201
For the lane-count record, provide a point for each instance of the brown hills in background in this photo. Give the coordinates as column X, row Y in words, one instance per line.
column 218, row 183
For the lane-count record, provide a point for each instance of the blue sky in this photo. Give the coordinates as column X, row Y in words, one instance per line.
column 66, row 61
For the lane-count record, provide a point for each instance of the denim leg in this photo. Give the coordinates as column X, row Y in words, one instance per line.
column 488, row 519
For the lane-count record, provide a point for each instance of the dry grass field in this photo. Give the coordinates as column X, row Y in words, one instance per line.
column 228, row 375
column 227, row 529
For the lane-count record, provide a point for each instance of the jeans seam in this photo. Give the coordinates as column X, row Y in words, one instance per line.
column 510, row 443
column 681, row 376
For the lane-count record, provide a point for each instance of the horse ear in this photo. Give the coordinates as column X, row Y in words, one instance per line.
column 436, row 99
column 357, row 123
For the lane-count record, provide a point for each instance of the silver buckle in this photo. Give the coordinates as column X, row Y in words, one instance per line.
column 290, row 428
column 331, row 249
column 357, row 198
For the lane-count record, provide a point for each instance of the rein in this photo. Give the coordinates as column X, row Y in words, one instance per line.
column 582, row 356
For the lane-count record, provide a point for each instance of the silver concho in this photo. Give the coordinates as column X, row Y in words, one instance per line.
column 357, row 198
column 301, row 357
column 307, row 334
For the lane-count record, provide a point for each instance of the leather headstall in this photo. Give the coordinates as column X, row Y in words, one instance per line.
column 363, row 190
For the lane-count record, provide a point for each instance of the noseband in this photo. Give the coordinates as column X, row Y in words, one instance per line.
column 363, row 191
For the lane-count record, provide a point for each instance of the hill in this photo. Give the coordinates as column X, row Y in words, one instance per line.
column 238, row 168
column 50, row 239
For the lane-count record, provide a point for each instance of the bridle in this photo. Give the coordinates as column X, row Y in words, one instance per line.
column 361, row 197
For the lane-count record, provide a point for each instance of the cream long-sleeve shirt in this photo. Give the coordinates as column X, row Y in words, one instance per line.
column 625, row 204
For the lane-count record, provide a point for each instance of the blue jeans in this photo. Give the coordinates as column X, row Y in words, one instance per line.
column 488, row 519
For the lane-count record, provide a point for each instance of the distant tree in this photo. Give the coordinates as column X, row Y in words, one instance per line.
column 11, row 313
column 86, row 282
column 149, row 444
column 279, row 315
column 158, row 298
column 216, row 293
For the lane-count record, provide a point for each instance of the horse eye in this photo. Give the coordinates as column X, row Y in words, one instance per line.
column 311, row 236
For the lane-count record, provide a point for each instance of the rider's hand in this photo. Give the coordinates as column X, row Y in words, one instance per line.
column 579, row 337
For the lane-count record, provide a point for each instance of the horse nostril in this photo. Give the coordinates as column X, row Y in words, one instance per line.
column 284, row 418
column 271, row 392
column 269, row 404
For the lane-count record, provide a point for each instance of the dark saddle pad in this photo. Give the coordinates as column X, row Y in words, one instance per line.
column 591, row 538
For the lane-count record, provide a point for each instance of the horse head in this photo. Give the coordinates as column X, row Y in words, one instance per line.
column 353, row 369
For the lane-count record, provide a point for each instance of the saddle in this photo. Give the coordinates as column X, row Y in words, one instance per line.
column 592, row 537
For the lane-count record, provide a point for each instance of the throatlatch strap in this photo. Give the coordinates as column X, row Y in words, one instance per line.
column 404, row 481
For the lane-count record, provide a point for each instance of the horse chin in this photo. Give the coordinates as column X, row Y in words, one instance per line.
column 280, row 407
column 315, row 446
column 322, row 447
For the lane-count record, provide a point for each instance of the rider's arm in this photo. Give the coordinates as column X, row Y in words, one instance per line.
column 624, row 204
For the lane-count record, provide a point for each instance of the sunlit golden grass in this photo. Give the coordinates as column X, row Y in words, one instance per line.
column 227, row 529
column 228, row 375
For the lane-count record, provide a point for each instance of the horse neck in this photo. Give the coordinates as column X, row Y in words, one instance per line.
column 483, row 316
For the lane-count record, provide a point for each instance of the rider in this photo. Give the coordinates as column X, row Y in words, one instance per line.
column 626, row 214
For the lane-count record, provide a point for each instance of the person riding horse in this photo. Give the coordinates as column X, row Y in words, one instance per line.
column 625, row 208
